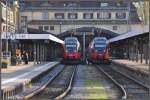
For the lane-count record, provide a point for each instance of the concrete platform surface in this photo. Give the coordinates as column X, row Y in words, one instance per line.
column 15, row 75
column 144, row 68
column 16, row 68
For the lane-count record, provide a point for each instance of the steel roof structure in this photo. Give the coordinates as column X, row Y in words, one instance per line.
column 130, row 34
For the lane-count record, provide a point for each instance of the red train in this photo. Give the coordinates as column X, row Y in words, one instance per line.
column 98, row 51
column 71, row 50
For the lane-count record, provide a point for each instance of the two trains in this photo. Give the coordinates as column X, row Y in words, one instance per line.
column 97, row 52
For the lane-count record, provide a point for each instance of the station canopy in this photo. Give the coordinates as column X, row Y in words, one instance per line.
column 132, row 33
column 32, row 34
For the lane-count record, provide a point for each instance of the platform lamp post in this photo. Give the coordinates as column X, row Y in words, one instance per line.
column 6, row 26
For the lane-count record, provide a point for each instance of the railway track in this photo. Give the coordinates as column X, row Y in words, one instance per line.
column 134, row 73
column 38, row 86
column 90, row 84
column 132, row 89
column 59, row 87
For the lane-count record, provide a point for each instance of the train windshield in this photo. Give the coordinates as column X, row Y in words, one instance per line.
column 100, row 47
column 71, row 47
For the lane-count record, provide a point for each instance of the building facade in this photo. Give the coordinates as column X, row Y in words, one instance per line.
column 9, row 26
column 58, row 16
column 9, row 15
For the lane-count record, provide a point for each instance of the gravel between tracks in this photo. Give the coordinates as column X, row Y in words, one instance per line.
column 89, row 83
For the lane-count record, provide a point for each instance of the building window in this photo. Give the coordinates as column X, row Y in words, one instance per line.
column 41, row 28
column 104, row 4
column 88, row 15
column 104, row 15
column 72, row 16
column 71, row 4
column 11, row 16
column 114, row 27
column 120, row 15
column 59, row 15
column 24, row 20
column 46, row 27
column 45, row 15
column 51, row 27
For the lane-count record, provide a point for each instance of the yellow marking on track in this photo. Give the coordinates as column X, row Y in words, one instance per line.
column 95, row 90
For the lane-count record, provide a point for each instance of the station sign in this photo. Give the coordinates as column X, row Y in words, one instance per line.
column 22, row 36
column 31, row 36
column 13, row 36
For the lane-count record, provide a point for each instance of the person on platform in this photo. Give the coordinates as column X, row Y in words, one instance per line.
column 25, row 57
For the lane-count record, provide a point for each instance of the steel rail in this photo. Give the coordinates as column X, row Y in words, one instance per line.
column 115, row 82
column 69, row 86
column 127, row 77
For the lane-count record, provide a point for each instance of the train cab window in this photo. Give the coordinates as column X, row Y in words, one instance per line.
column 100, row 47
column 71, row 47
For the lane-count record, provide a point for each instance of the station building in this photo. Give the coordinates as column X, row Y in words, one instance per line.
column 75, row 17
column 62, row 18
column 58, row 16
column 9, row 24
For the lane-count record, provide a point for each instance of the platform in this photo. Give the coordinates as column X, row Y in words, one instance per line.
column 21, row 75
column 143, row 68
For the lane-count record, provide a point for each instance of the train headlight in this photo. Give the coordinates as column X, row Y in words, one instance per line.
column 75, row 50
column 66, row 51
